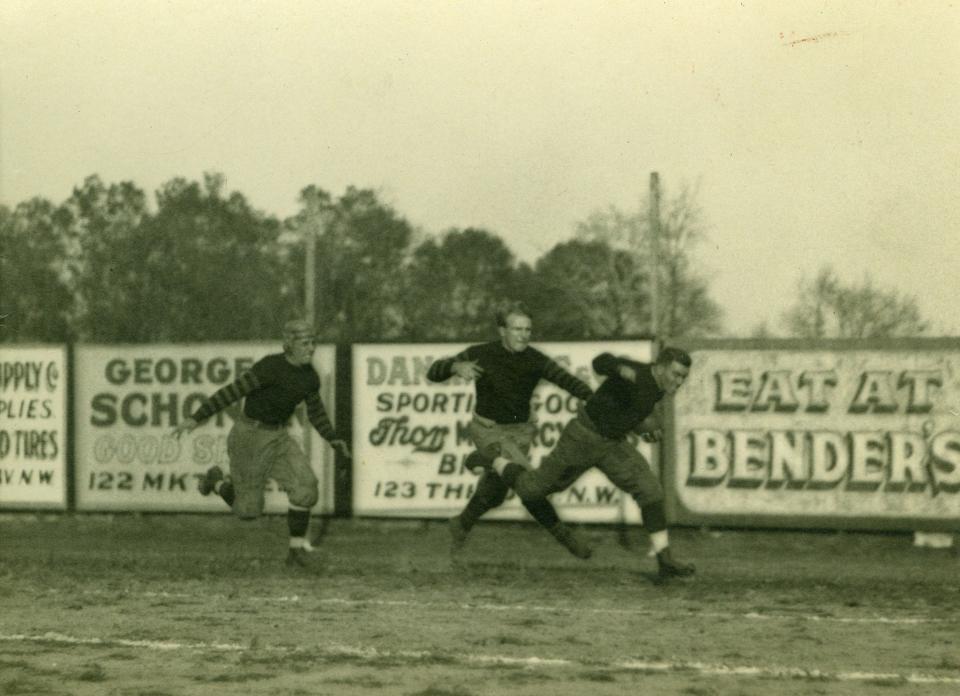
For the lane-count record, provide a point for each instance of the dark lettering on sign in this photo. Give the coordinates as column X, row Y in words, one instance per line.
column 26, row 477
column 26, row 409
column 27, row 376
column 584, row 496
column 397, row 431
column 110, row 481
column 395, row 489
column 216, row 371
column 425, row 402
column 399, row 370
column 143, row 409
column 452, row 491
column 29, row 444
column 554, row 403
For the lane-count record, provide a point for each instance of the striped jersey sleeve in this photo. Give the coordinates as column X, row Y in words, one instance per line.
column 442, row 370
column 318, row 417
column 609, row 365
column 605, row 364
column 552, row 372
column 236, row 390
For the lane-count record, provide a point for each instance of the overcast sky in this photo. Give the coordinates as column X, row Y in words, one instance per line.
column 816, row 132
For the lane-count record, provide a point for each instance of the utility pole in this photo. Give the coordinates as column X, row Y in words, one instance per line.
column 654, row 220
column 311, row 230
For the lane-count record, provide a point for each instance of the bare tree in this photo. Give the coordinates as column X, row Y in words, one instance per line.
column 685, row 307
column 826, row 308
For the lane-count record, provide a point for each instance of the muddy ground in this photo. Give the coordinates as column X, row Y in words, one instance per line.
column 163, row 605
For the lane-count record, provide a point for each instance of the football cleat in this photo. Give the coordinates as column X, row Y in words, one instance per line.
column 478, row 462
column 209, row 481
column 669, row 567
column 299, row 558
column 570, row 541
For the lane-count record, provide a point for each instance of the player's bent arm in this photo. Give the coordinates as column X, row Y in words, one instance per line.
column 236, row 390
column 607, row 364
column 441, row 370
column 552, row 372
column 317, row 415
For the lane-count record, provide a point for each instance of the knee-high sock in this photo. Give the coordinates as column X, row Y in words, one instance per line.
column 654, row 516
column 225, row 491
column 298, row 519
column 489, row 494
column 510, row 473
column 543, row 512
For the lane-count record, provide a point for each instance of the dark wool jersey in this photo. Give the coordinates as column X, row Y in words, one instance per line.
column 506, row 386
column 619, row 406
column 273, row 388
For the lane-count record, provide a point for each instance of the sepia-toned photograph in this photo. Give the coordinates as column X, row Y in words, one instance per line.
column 479, row 348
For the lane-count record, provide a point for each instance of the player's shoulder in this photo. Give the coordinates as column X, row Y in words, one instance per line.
column 481, row 349
column 645, row 374
column 535, row 354
column 271, row 361
column 312, row 376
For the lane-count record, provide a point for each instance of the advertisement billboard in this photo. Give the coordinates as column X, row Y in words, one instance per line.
column 33, row 427
column 819, row 437
column 129, row 398
column 410, row 434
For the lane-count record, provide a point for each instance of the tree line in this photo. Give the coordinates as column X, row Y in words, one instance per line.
column 205, row 265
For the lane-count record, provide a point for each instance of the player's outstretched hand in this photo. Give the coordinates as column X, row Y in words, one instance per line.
column 342, row 447
column 185, row 427
column 653, row 435
column 467, row 369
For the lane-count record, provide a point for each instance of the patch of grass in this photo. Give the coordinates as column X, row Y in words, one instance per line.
column 20, row 685
column 698, row 691
column 128, row 656
column 361, row 680
column 292, row 658
column 522, row 675
column 16, row 664
column 234, row 677
column 529, row 622
column 948, row 662
column 886, row 682
column 576, row 640
column 443, row 691
column 597, row 676
column 93, row 672
column 511, row 640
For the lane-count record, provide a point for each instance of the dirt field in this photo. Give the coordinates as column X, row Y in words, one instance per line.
column 168, row 605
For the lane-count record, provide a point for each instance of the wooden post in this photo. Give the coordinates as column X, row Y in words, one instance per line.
column 654, row 218
column 310, row 267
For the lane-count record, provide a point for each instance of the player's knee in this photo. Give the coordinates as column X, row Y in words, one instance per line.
column 496, row 497
column 491, row 490
column 306, row 496
column 530, row 488
column 646, row 498
column 491, row 450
